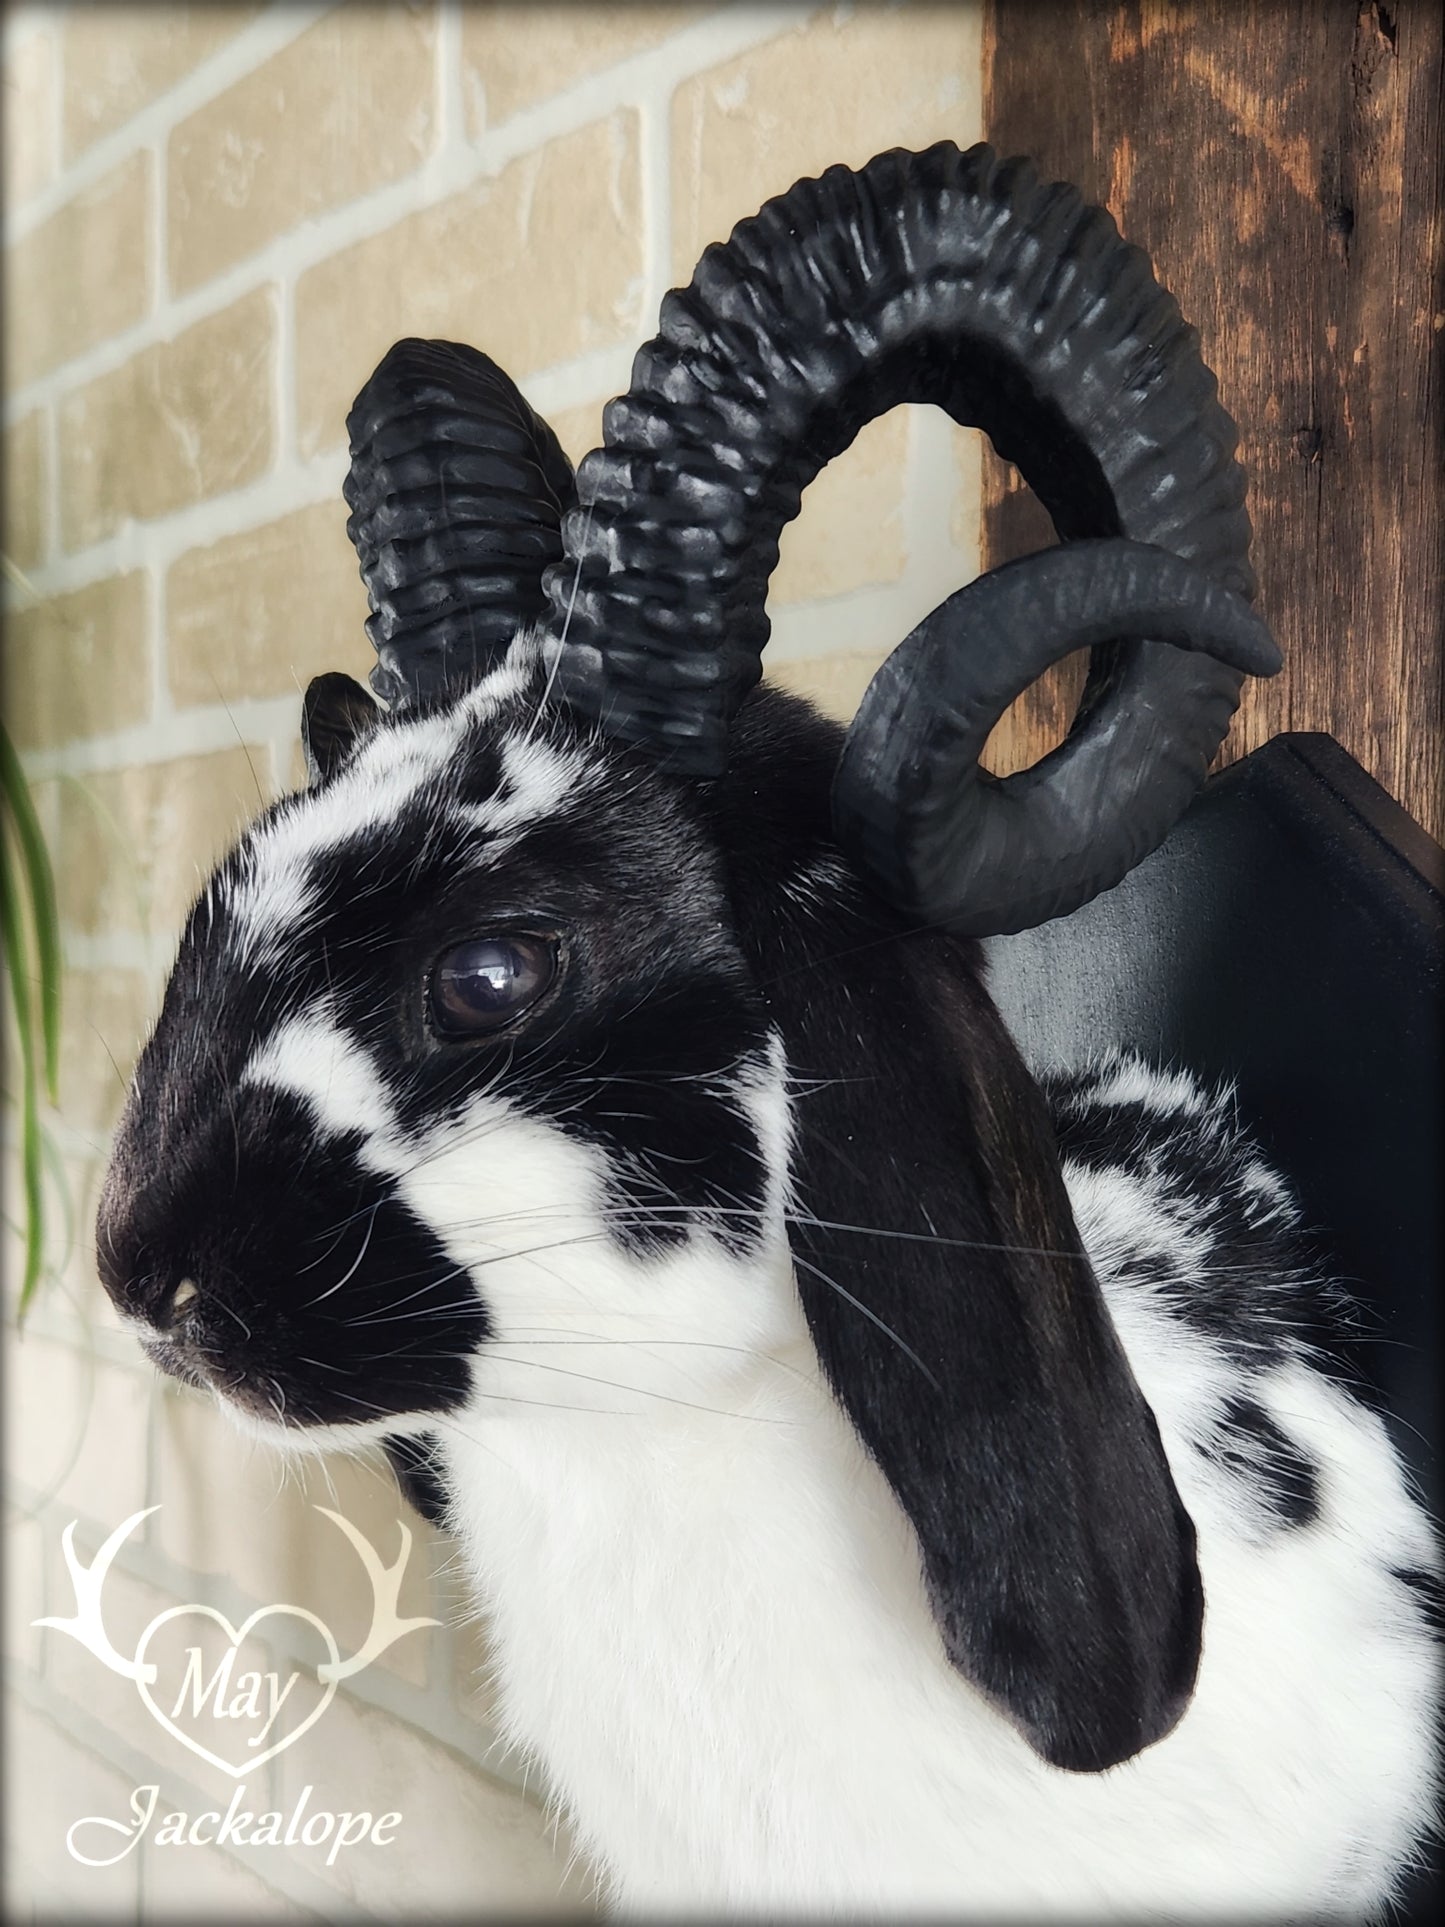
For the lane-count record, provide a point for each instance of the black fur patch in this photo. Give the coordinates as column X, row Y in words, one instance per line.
column 1247, row 1442
column 635, row 1050
column 655, row 1091
column 1427, row 1591
column 417, row 1466
column 320, row 1297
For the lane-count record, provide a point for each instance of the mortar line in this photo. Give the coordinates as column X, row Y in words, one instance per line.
column 159, row 277
column 655, row 125
column 450, row 93
column 198, row 731
column 50, row 436
column 626, row 84
column 263, row 38
column 294, row 482
column 285, row 457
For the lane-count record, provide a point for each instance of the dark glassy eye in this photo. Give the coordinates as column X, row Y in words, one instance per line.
column 484, row 984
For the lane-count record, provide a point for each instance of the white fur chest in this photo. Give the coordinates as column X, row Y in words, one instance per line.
column 711, row 1628
column 711, row 1631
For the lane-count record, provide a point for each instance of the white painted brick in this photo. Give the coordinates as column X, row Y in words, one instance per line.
column 203, row 1884
column 51, row 1782
column 467, row 1844
column 24, row 1600
column 76, row 1428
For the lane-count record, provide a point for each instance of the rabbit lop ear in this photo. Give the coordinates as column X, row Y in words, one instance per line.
column 335, row 714
column 965, row 1335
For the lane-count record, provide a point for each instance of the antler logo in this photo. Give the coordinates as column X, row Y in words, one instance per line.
column 223, row 1694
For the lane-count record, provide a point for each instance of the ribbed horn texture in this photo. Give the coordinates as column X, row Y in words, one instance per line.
column 943, row 277
column 457, row 490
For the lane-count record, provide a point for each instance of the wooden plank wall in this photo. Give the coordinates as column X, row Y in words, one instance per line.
column 1281, row 160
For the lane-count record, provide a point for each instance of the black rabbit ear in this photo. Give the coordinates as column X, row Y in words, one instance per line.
column 965, row 1335
column 335, row 714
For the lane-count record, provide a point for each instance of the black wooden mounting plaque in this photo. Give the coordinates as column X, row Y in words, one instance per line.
column 1288, row 935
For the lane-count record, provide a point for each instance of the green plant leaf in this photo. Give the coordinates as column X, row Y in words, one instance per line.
column 13, row 937
column 44, row 911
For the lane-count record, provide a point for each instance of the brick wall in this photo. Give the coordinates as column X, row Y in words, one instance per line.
column 217, row 220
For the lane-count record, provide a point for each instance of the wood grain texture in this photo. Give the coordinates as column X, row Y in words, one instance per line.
column 1281, row 162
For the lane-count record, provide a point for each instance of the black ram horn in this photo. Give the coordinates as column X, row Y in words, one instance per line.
column 457, row 490
column 943, row 277
column 910, row 799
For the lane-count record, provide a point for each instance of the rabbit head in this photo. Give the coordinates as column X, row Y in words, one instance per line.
column 475, row 992
column 590, row 983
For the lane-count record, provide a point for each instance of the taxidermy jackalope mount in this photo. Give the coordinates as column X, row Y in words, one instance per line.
column 891, row 1483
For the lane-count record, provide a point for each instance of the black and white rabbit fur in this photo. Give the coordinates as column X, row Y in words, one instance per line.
column 733, row 1306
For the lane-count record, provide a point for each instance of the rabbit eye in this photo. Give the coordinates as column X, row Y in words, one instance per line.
column 482, row 985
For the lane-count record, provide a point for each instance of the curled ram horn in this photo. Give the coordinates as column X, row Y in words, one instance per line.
column 956, row 279
column 456, row 490
column 911, row 800
column 946, row 277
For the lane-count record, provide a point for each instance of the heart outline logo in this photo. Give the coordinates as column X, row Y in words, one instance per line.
column 236, row 1635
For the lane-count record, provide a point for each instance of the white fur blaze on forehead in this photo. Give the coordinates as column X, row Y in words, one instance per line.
column 275, row 891
column 537, row 780
column 308, row 1057
column 510, row 677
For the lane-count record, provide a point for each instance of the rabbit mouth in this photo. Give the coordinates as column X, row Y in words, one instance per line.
column 390, row 1337
column 193, row 1367
column 287, row 1278
column 176, row 1362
